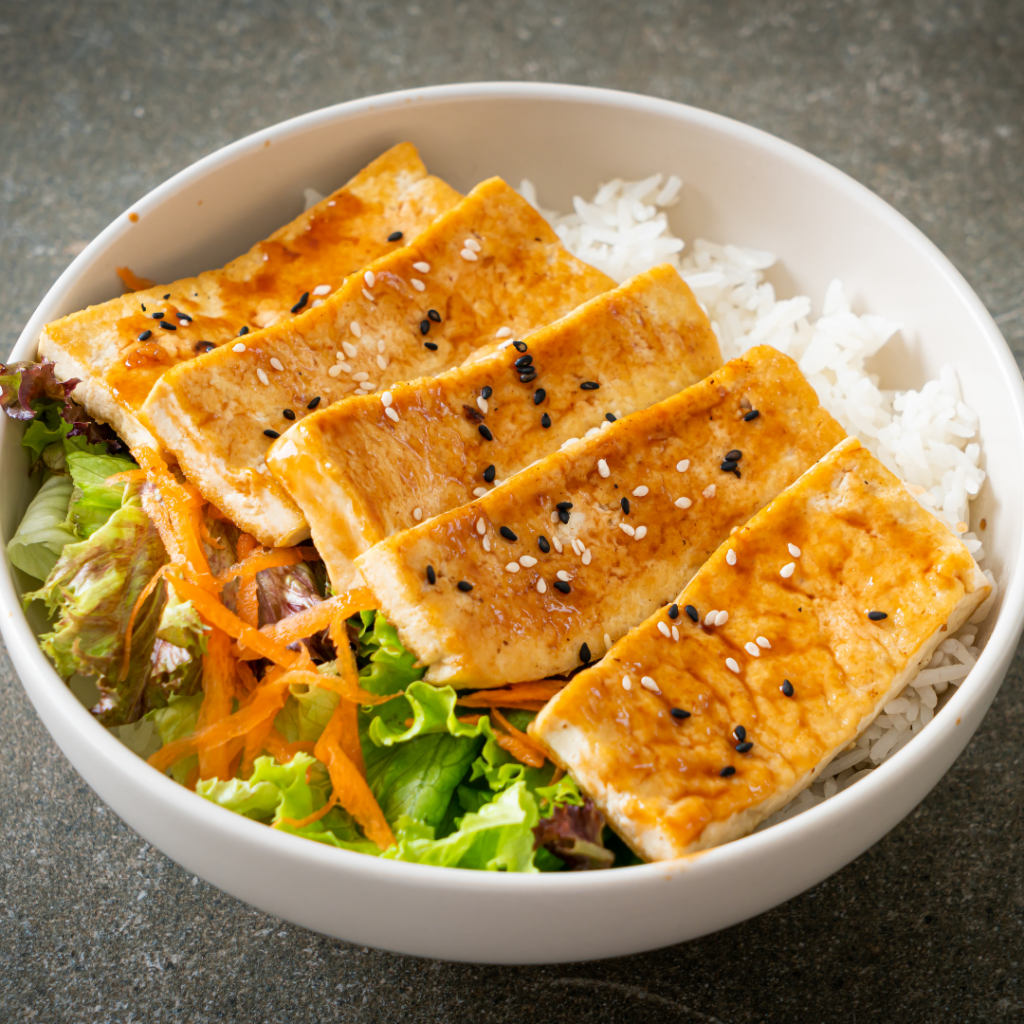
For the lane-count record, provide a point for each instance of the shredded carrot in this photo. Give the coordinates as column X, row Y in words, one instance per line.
column 248, row 602
column 131, row 281
column 246, row 679
column 514, row 696
column 284, row 751
column 218, row 691
column 207, row 537
column 259, row 560
column 310, row 818
column 129, row 476
column 521, row 747
column 346, row 686
column 349, row 738
column 557, row 775
column 320, row 616
column 350, row 788
column 140, row 601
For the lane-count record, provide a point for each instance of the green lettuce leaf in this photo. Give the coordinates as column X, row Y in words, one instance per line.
column 387, row 666
column 177, row 654
column 174, row 722
column 307, row 711
column 42, row 535
column 93, row 501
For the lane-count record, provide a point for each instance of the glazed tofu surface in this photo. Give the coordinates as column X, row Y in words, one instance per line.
column 490, row 263
column 363, row 470
column 105, row 345
column 805, row 585
column 530, row 611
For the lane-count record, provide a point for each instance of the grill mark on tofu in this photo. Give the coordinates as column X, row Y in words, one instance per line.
column 644, row 341
column 518, row 625
column 671, row 784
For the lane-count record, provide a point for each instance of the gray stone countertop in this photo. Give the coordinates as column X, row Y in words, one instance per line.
column 922, row 101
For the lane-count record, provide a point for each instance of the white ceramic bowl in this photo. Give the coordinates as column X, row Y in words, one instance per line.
column 742, row 186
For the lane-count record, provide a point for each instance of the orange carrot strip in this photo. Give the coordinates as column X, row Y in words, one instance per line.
column 129, row 476
column 320, row 616
column 246, row 679
column 310, row 818
column 520, row 751
column 218, row 691
column 346, row 687
column 140, row 601
column 248, row 602
column 207, row 537
column 526, row 750
column 276, row 745
column 513, row 696
column 259, row 560
column 350, row 788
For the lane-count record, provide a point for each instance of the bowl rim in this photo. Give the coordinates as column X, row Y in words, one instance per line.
column 44, row 683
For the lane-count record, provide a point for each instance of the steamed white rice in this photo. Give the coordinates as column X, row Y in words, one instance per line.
column 923, row 436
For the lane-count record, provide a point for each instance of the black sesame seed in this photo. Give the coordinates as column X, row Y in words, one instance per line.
column 519, row 346
column 543, row 544
column 431, row 575
column 145, row 335
column 424, row 327
column 430, row 345
column 692, row 612
column 563, row 515
column 522, row 362
column 143, row 307
column 395, row 236
column 877, row 616
column 679, row 713
column 529, row 376
column 584, row 653
column 185, row 317
column 610, row 417
column 487, row 391
column 735, row 455
column 288, row 414
column 562, row 586
column 271, row 433
column 304, row 298
column 589, row 385
column 204, row 346
column 158, row 316
column 727, row 771
column 564, row 506
column 742, row 748
column 465, row 586
column 489, row 474
column 673, row 611
column 507, row 533
column 728, row 466
column 243, row 332
column 167, row 326
column 545, row 421
column 752, row 415
column 485, row 432
column 539, row 395
column 167, row 296
column 432, row 314
column 625, row 505
column 787, row 687
column 314, row 403
column 740, row 733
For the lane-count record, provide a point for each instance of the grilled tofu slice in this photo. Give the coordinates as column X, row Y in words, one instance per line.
column 107, row 346
column 492, row 263
column 392, row 465
column 844, row 586
column 629, row 516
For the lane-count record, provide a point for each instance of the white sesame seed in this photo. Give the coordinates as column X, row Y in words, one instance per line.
column 541, row 587
column 607, row 641
column 528, row 561
column 709, row 491
column 238, row 347
column 262, row 374
column 557, row 544
column 577, row 547
column 355, row 329
column 627, row 529
column 422, row 266
column 487, row 543
column 382, row 362
column 649, row 684
column 482, row 405
column 571, row 440
column 417, row 284
column 504, row 345
column 675, row 634
column 730, row 663
column 349, row 349
column 787, row 570
column 592, row 431
column 322, row 289
column 276, row 363
column 468, row 254
column 370, row 278
column 682, row 465
column 381, row 346
column 721, row 618
column 343, row 366
column 752, row 649
column 367, row 386
column 473, row 244
column 663, row 629
column 481, row 526
column 316, row 302
column 417, row 514
column 512, row 567
column 682, row 503
column 586, row 558
column 730, row 556
column 368, row 295
column 641, row 532
column 794, row 550
column 762, row 641
column 626, row 683
column 709, row 619
column 554, row 517
column 562, row 575
column 503, row 332
column 386, row 399
column 361, row 376
column 392, row 414
column 334, row 371
column 479, row 492
column 641, row 492
column 605, row 424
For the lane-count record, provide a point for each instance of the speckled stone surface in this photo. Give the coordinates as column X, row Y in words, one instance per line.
column 921, row 101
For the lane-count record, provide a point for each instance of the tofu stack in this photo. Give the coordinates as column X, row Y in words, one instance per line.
column 719, row 709
column 542, row 573
column 371, row 466
column 490, row 264
column 121, row 348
